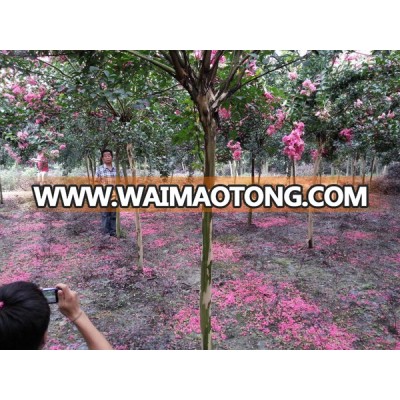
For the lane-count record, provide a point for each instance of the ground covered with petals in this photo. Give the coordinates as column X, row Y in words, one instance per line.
column 269, row 290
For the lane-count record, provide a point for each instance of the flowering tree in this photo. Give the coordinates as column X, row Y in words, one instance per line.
column 211, row 77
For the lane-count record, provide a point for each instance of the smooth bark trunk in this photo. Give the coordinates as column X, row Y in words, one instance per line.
column 210, row 130
column 250, row 213
column 118, row 215
column 310, row 239
column 138, row 224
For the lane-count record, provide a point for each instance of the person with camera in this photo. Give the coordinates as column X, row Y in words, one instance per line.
column 25, row 317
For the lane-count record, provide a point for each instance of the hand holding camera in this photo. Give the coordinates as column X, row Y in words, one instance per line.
column 68, row 302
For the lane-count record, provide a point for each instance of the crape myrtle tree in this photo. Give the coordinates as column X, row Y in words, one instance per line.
column 211, row 78
column 29, row 112
column 373, row 99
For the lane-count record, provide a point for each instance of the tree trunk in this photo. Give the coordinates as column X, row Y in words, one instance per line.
column 294, row 171
column 353, row 170
column 363, row 168
column 231, row 168
column 210, row 131
column 118, row 215
column 310, row 239
column 1, row 193
column 266, row 168
column 139, row 235
column 347, row 166
column 372, row 169
column 250, row 213
column 92, row 167
column 87, row 167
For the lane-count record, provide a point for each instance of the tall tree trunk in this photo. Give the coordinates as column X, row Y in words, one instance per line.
column 92, row 167
column 310, row 239
column 124, row 170
column 347, row 166
column 1, row 193
column 118, row 216
column 294, row 171
column 363, row 167
column 210, row 130
column 353, row 170
column 231, row 168
column 372, row 169
column 138, row 224
column 250, row 213
column 88, row 167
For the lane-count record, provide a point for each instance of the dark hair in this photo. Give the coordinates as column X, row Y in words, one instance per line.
column 106, row 151
column 24, row 316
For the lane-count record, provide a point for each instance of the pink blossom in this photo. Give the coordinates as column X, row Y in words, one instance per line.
column 224, row 113
column 10, row 97
column 358, row 103
column 347, row 134
column 198, row 54
column 177, row 112
column 251, row 68
column 75, row 115
column 237, row 154
column 55, row 153
column 236, row 150
column 22, row 135
column 30, row 97
column 31, row 81
column 16, row 89
column 292, row 75
column 351, row 57
column 103, row 85
column 309, row 88
column 63, row 146
column 382, row 116
column 268, row 96
column 323, row 114
column 314, row 154
column 391, row 115
column 271, row 130
column 294, row 145
column 221, row 60
column 23, row 146
column 12, row 154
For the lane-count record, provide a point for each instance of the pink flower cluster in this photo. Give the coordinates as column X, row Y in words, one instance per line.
column 323, row 114
column 9, row 97
column 31, row 81
column 309, row 87
column 251, row 68
column 268, row 96
column 347, row 134
column 224, row 113
column 198, row 55
column 292, row 75
column 389, row 115
column 294, row 144
column 12, row 154
column 63, row 147
column 279, row 120
column 314, row 154
column 236, row 149
column 22, row 140
column 17, row 89
column 358, row 103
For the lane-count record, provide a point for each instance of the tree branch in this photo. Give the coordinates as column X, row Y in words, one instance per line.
column 160, row 65
column 238, row 87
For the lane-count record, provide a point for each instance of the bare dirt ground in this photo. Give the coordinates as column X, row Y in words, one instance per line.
column 269, row 290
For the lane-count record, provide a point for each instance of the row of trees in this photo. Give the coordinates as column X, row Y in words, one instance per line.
column 197, row 108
